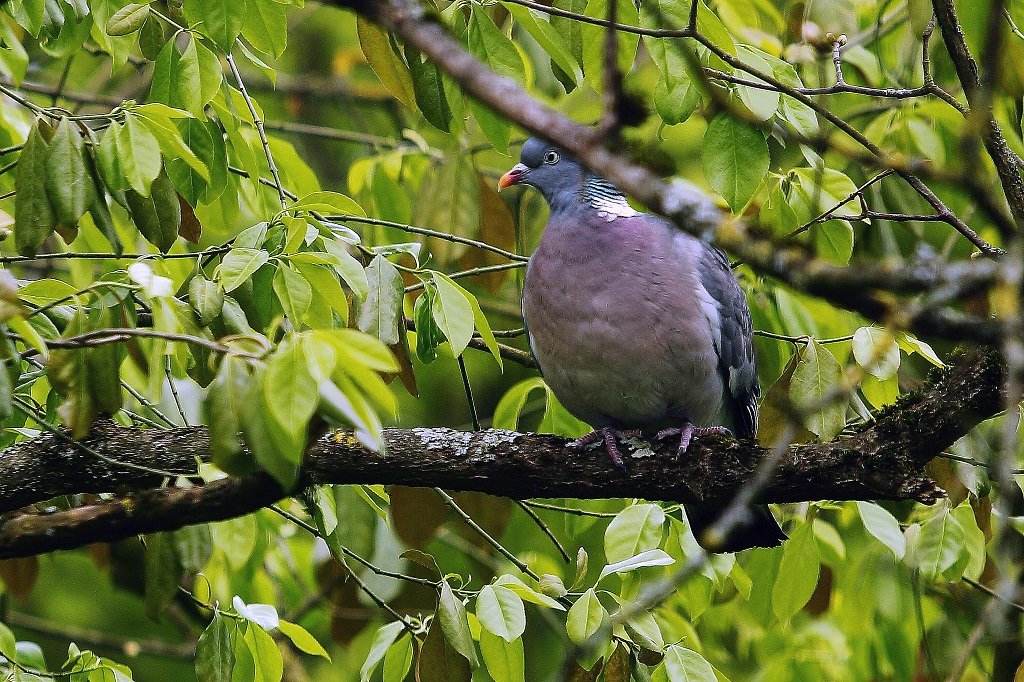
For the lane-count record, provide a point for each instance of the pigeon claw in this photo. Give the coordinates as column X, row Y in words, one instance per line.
column 609, row 437
column 687, row 432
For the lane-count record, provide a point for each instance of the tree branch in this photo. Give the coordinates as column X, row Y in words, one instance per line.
column 882, row 462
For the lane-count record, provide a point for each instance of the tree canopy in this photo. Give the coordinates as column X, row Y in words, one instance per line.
column 267, row 406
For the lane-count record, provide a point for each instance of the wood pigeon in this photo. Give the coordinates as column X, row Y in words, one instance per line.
column 635, row 324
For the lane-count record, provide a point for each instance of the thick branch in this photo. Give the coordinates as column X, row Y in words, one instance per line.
column 882, row 462
column 967, row 72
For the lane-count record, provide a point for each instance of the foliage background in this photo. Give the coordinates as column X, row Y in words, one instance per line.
column 860, row 592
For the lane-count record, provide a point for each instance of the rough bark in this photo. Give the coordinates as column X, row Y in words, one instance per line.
column 882, row 462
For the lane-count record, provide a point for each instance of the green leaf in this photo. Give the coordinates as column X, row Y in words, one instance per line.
column 593, row 40
column 938, row 544
column 382, row 641
column 548, row 37
column 833, row 241
column 206, row 298
column 224, row 408
column 301, row 638
column 265, row 655
column 883, row 526
column 219, row 20
column 816, row 376
column 451, row 614
column 68, row 183
column 276, row 449
column 398, row 659
column 586, row 617
column 798, row 572
column 158, row 216
column 34, row 218
column 652, row 557
column 328, row 202
column 239, row 265
column 265, row 25
column 686, row 665
column 128, row 19
column 171, row 143
column 506, row 413
column 428, row 335
column 389, row 67
column 138, row 155
column 163, row 573
column 735, row 159
column 911, row 344
column 215, row 656
column 505, row 661
column 294, row 292
column 290, row 390
column 452, row 312
column 635, row 529
column 151, row 40
column 428, row 89
column 350, row 269
column 876, row 351
column 762, row 102
column 527, row 593
column 381, row 313
column 501, row 612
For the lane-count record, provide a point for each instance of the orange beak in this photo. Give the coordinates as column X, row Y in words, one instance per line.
column 513, row 177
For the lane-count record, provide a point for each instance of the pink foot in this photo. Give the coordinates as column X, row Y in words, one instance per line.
column 610, row 437
column 688, row 432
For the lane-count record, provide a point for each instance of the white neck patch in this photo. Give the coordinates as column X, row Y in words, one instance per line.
column 606, row 198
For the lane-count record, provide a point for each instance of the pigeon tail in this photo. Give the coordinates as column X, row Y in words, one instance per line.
column 758, row 529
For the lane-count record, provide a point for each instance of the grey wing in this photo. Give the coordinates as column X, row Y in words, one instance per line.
column 735, row 342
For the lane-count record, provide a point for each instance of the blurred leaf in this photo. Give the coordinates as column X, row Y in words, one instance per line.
column 163, row 573
column 815, row 378
column 876, row 351
column 735, row 159
column 884, row 526
column 798, row 572
column 389, row 67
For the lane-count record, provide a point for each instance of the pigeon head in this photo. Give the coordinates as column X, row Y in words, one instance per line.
column 548, row 168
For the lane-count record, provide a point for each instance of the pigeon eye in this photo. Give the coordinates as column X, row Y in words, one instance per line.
column 551, row 157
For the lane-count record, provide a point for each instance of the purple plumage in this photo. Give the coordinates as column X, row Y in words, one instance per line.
column 635, row 324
